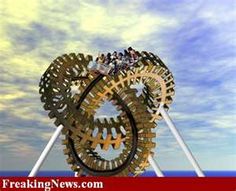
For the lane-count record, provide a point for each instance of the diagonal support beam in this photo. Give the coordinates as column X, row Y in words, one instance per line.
column 180, row 141
column 155, row 166
column 46, row 151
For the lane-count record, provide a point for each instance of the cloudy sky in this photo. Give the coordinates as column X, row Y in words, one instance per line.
column 196, row 39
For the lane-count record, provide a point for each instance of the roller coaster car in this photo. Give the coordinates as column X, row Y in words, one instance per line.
column 99, row 68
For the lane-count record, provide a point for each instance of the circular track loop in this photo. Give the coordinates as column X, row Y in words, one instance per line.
column 72, row 96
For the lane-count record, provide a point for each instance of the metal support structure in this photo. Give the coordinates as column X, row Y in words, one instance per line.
column 180, row 141
column 45, row 152
column 155, row 166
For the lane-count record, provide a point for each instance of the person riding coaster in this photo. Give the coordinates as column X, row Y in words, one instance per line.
column 112, row 63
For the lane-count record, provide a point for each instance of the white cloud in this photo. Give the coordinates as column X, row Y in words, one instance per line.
column 123, row 21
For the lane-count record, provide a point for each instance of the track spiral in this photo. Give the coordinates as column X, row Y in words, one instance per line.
column 72, row 95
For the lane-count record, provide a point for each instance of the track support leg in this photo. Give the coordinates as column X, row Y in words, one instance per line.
column 45, row 152
column 155, row 166
column 180, row 141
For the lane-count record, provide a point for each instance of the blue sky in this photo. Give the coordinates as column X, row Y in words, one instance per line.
column 196, row 39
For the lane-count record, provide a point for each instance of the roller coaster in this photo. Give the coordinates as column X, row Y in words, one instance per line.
column 72, row 95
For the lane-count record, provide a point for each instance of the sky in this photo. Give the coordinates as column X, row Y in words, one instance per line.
column 196, row 40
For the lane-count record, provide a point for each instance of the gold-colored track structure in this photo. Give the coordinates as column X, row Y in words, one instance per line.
column 72, row 95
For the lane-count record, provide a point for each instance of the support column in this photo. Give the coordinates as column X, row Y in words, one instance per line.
column 45, row 152
column 155, row 166
column 180, row 141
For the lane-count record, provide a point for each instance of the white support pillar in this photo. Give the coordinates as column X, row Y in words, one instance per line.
column 180, row 141
column 45, row 152
column 155, row 166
